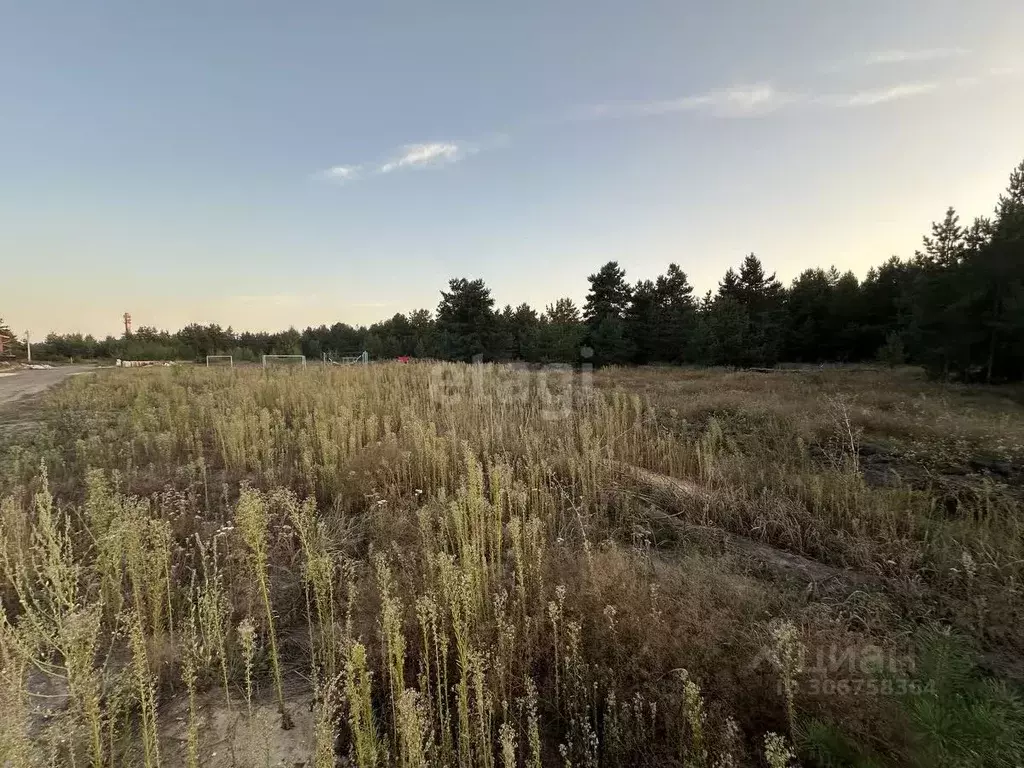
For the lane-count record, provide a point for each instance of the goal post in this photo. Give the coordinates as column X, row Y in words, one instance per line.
column 219, row 359
column 361, row 359
column 295, row 359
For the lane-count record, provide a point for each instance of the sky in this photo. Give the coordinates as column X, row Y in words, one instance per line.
column 267, row 164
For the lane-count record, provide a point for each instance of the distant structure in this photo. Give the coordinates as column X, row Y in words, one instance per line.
column 127, row 324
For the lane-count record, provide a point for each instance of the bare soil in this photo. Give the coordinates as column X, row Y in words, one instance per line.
column 15, row 385
column 21, row 396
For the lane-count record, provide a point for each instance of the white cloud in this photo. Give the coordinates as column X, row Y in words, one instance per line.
column 894, row 57
column 906, row 56
column 870, row 98
column 737, row 101
column 340, row 174
column 1007, row 69
column 882, row 95
column 762, row 99
column 424, row 156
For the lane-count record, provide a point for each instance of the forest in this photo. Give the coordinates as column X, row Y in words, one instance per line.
column 956, row 307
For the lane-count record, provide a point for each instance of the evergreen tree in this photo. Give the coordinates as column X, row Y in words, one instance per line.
column 563, row 312
column 677, row 317
column 502, row 346
column 642, row 322
column 561, row 332
column 756, row 291
column 844, row 326
column 760, row 297
column 957, row 308
column 994, row 276
column 886, row 303
column 726, row 329
column 604, row 313
column 7, row 339
column 936, row 333
column 945, row 248
column 729, row 287
column 808, row 305
column 424, row 334
column 518, row 334
column 610, row 342
column 609, row 295
column 466, row 321
column 892, row 352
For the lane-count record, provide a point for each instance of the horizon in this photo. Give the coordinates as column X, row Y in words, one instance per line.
column 302, row 168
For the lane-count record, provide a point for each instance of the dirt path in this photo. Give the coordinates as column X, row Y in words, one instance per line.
column 16, row 385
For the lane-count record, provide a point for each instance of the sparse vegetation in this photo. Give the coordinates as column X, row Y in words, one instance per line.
column 417, row 565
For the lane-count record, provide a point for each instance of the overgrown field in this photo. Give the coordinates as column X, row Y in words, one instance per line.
column 413, row 565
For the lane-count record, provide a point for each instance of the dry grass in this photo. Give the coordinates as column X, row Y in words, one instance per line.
column 448, row 565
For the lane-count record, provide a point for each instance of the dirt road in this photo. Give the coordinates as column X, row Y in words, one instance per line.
column 14, row 386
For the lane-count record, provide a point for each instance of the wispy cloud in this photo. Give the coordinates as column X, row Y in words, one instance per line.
column 895, row 56
column 877, row 96
column 755, row 101
column 1007, row 69
column 902, row 56
column 736, row 101
column 763, row 99
column 425, row 156
column 340, row 173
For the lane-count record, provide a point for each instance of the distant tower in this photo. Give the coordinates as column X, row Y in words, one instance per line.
column 127, row 324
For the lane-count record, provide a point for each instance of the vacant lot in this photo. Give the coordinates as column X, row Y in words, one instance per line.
column 450, row 565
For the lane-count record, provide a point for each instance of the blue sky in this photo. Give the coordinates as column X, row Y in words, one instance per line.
column 266, row 164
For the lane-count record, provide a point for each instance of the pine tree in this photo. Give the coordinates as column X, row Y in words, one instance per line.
column 642, row 322
column 561, row 332
column 524, row 327
column 808, row 304
column 609, row 295
column 995, row 274
column 466, row 322
column 945, row 248
column 730, row 287
column 610, row 342
column 8, row 342
column 424, row 333
column 886, row 303
column 726, row 330
column 757, row 292
column 844, row 325
column 892, row 352
column 760, row 297
column 677, row 316
column 563, row 312
column 938, row 331
column 604, row 313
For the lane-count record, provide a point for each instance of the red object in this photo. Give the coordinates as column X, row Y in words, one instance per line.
column 403, row 358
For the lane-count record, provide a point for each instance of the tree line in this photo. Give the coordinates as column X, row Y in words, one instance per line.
column 956, row 307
